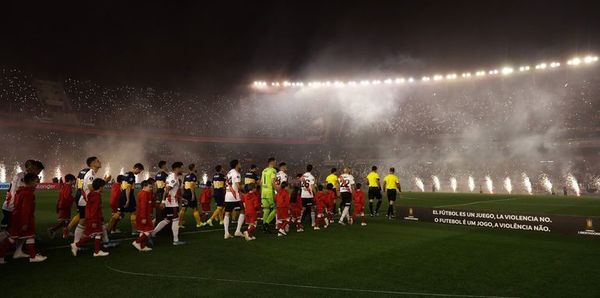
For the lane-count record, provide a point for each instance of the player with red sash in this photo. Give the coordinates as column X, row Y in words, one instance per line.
column 170, row 203
column 115, row 193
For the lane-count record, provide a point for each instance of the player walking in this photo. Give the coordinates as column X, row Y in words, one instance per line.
column 346, row 182
column 190, row 183
column 374, row 190
column 170, row 203
column 233, row 198
column 267, row 194
column 391, row 185
column 308, row 190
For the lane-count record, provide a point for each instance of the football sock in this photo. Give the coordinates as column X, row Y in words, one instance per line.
column 240, row 222
column 105, row 234
column 31, row 250
column 175, row 229
column 345, row 214
column 133, row 225
column 181, row 216
column 197, row 217
column 163, row 223
column 226, row 223
column 371, row 207
column 378, row 206
column 97, row 244
column 215, row 214
column 73, row 223
column 312, row 217
column 78, row 233
column 271, row 216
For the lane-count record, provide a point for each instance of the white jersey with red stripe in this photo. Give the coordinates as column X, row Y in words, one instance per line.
column 9, row 203
column 346, row 181
column 87, row 184
column 173, row 182
column 281, row 177
column 307, row 182
column 232, row 193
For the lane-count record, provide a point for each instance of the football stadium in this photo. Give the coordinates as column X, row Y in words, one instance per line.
column 300, row 149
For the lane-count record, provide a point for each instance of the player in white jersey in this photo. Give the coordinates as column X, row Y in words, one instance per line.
column 282, row 174
column 233, row 198
column 170, row 203
column 308, row 190
column 31, row 166
column 346, row 182
column 94, row 164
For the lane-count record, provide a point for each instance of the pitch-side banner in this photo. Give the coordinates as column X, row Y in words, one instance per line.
column 501, row 220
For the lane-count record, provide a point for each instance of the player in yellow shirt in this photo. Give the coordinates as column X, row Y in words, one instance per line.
column 333, row 179
column 391, row 185
column 374, row 190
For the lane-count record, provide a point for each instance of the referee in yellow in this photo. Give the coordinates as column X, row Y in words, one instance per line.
column 374, row 190
column 332, row 179
column 391, row 185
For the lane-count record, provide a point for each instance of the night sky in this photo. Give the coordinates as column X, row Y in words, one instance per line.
column 214, row 47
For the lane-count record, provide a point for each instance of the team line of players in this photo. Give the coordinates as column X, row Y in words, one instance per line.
column 269, row 195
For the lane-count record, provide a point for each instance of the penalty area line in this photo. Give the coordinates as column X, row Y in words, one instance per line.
column 265, row 283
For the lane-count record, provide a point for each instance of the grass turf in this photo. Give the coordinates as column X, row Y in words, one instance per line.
column 388, row 258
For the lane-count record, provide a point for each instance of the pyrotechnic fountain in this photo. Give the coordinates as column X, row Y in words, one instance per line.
column 122, row 171
column 546, row 183
column 146, row 175
column 489, row 184
column 419, row 184
column 453, row 184
column 526, row 183
column 204, row 178
column 58, row 173
column 508, row 185
column 18, row 169
column 107, row 170
column 436, row 183
column 471, row 183
column 2, row 173
column 572, row 182
column 41, row 176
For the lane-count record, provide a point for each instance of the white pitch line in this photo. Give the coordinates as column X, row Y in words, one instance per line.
column 296, row 285
column 478, row 202
column 133, row 238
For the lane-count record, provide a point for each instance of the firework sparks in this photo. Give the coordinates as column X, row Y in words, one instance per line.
column 420, row 184
column 572, row 182
column 546, row 183
column 453, row 184
column 526, row 183
column 489, row 184
column 2, row 173
column 471, row 183
column 436, row 183
column 508, row 185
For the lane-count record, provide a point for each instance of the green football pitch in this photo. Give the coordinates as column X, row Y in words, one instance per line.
column 385, row 258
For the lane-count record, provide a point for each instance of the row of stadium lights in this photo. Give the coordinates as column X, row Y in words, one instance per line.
column 507, row 70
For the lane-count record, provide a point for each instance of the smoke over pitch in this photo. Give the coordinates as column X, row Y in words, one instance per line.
column 500, row 127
